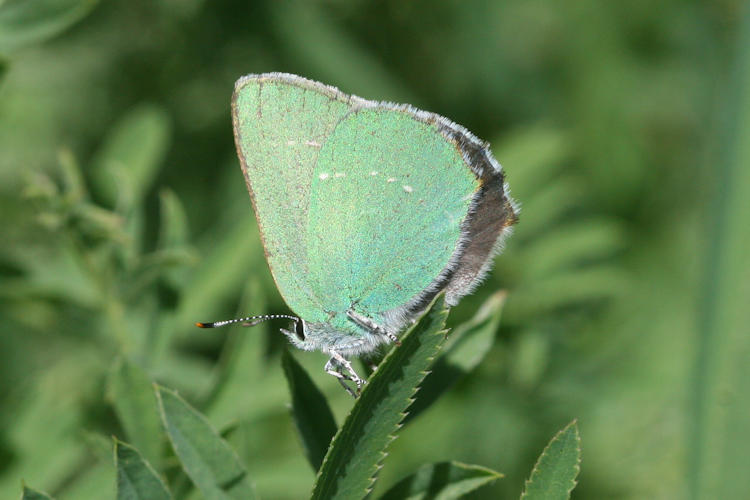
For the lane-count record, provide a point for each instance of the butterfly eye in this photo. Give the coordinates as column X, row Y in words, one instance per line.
column 299, row 329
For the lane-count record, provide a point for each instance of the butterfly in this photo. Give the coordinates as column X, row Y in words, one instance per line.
column 367, row 211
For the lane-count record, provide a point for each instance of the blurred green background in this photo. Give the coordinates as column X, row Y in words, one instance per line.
column 624, row 129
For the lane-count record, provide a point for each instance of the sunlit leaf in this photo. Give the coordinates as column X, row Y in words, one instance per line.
column 554, row 475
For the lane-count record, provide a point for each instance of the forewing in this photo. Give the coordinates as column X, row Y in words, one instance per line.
column 280, row 123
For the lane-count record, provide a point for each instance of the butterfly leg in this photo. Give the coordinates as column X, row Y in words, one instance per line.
column 370, row 325
column 331, row 369
column 334, row 367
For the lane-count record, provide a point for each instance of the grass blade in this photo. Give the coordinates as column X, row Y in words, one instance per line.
column 554, row 475
column 136, row 479
column 312, row 415
column 207, row 459
column 357, row 450
column 441, row 481
column 466, row 347
column 720, row 429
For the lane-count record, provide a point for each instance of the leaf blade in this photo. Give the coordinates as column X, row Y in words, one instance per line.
column 23, row 23
column 554, row 474
column 130, row 393
column 357, row 450
column 312, row 416
column 136, row 479
column 32, row 494
column 441, row 481
column 465, row 348
column 207, row 458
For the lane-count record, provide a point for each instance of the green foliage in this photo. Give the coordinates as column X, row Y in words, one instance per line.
column 720, row 428
column 622, row 130
column 441, row 481
column 30, row 494
column 554, row 475
column 312, row 415
column 23, row 22
column 132, row 397
column 357, row 450
column 136, row 479
column 466, row 347
column 207, row 459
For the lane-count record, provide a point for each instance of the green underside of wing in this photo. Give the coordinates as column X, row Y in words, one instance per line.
column 389, row 195
column 358, row 208
column 280, row 127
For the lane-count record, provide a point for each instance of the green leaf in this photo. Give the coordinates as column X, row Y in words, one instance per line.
column 131, row 156
column 131, row 393
column 554, row 475
column 136, row 479
column 173, row 230
column 24, row 22
column 441, row 481
column 357, row 450
column 466, row 347
column 207, row 459
column 719, row 430
column 312, row 415
column 30, row 494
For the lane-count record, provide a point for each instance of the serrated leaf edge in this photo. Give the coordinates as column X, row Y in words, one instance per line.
column 576, row 467
column 441, row 317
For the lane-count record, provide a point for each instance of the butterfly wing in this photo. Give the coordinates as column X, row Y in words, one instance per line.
column 280, row 123
column 391, row 193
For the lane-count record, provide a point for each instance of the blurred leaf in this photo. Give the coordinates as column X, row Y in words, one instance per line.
column 554, row 475
column 209, row 461
column 23, row 22
column 466, row 347
column 357, row 450
column 173, row 229
column 322, row 44
column 572, row 245
column 131, row 394
column 136, row 479
column 534, row 155
column 74, row 185
column 29, row 494
column 441, row 481
column 720, row 429
column 312, row 415
column 131, row 155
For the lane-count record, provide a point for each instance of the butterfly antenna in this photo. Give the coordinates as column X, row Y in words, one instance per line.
column 249, row 321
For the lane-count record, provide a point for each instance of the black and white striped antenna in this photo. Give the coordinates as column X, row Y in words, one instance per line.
column 249, row 321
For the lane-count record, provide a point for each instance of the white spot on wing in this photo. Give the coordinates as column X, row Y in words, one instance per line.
column 323, row 176
column 408, row 189
column 391, row 179
column 374, row 173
